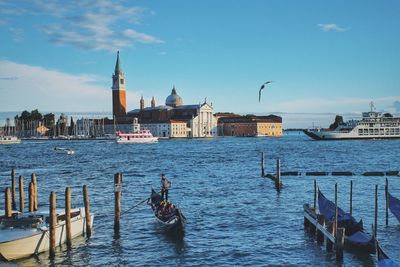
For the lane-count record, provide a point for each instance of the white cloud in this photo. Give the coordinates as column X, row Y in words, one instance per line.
column 25, row 87
column 331, row 27
column 90, row 25
column 141, row 37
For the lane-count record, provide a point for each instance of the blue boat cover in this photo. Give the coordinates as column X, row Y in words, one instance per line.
column 394, row 206
column 354, row 230
column 384, row 260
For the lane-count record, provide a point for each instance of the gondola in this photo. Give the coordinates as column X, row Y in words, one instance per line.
column 173, row 220
column 394, row 206
column 383, row 259
column 355, row 235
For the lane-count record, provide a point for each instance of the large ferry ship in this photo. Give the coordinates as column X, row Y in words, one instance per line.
column 373, row 125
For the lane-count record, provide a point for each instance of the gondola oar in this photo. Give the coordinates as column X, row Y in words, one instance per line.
column 134, row 206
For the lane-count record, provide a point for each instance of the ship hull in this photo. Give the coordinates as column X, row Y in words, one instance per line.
column 332, row 135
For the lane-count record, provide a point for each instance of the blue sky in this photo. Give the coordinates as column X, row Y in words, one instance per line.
column 323, row 56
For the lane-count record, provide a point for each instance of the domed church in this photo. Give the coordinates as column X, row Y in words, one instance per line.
column 174, row 119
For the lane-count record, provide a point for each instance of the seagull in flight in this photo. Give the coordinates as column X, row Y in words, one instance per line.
column 262, row 87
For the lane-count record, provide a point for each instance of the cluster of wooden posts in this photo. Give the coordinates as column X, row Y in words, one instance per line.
column 316, row 223
column 11, row 207
column 274, row 177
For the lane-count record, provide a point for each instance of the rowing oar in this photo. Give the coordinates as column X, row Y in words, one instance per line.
column 141, row 202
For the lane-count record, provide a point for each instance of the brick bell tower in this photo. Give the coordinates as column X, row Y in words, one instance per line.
column 118, row 91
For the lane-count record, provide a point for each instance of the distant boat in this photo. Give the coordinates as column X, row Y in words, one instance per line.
column 5, row 140
column 383, row 258
column 394, row 206
column 67, row 151
column 174, row 220
column 28, row 233
column 373, row 125
column 355, row 235
column 141, row 136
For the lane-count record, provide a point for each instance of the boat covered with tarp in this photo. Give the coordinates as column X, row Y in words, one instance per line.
column 394, row 206
column 166, row 213
column 383, row 259
column 355, row 234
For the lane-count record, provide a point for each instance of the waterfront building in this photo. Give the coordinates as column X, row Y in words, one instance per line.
column 199, row 118
column 250, row 125
column 118, row 91
column 173, row 129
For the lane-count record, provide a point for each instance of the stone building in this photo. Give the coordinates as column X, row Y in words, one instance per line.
column 250, row 125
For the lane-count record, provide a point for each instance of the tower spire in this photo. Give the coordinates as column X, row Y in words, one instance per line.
column 141, row 103
column 118, row 64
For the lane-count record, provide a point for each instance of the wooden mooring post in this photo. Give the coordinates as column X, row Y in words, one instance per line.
column 35, row 192
column 320, row 234
column 387, row 200
column 31, row 197
column 13, row 190
column 351, row 197
column 117, row 204
column 340, row 243
column 336, row 210
column 376, row 211
column 315, row 194
column 53, row 222
column 21, row 193
column 262, row 164
column 68, row 235
column 7, row 207
column 278, row 183
column 87, row 212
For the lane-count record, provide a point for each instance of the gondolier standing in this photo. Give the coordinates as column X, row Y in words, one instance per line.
column 165, row 185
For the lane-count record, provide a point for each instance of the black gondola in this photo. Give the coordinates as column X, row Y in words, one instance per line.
column 173, row 219
column 355, row 234
column 383, row 258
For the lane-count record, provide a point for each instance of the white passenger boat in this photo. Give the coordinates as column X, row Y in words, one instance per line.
column 141, row 136
column 4, row 140
column 28, row 234
column 373, row 125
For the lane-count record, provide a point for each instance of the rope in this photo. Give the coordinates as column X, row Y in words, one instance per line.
column 134, row 206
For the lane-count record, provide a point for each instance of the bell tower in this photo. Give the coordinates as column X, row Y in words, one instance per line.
column 118, row 91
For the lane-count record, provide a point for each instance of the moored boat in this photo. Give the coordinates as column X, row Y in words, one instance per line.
column 394, row 206
column 166, row 213
column 383, row 258
column 67, row 151
column 373, row 125
column 355, row 235
column 140, row 136
column 4, row 140
column 27, row 234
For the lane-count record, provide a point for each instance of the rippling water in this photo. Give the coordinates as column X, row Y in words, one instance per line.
column 235, row 217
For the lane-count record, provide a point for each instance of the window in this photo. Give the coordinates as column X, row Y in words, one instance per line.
column 121, row 81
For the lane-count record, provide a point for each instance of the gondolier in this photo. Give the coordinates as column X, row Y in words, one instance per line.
column 165, row 185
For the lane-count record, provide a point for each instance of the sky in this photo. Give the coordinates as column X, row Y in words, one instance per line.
column 323, row 57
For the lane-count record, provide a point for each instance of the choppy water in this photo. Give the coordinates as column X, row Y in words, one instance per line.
column 235, row 217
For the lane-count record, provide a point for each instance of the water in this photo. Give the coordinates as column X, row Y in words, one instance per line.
column 235, row 217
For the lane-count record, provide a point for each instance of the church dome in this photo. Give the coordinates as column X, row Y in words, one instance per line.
column 174, row 100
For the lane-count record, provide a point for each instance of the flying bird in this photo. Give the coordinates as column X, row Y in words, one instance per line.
column 262, row 87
